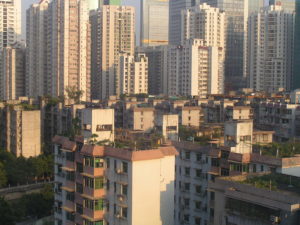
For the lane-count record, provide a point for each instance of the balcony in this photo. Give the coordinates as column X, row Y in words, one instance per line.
column 69, row 185
column 93, row 215
column 93, row 172
column 91, row 193
column 214, row 170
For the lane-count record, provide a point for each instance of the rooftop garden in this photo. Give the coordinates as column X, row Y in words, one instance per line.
column 190, row 134
column 275, row 182
column 281, row 150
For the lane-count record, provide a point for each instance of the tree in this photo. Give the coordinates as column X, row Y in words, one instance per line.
column 3, row 178
column 74, row 94
column 6, row 212
column 93, row 139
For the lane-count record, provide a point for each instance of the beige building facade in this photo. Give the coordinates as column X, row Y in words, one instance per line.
column 105, row 185
column 133, row 74
column 113, row 33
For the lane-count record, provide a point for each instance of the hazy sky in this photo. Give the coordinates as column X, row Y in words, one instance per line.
column 27, row 3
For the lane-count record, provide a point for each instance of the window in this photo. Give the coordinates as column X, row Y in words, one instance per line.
column 99, row 182
column 96, row 183
column 107, row 184
column 262, row 168
column 79, row 208
column 124, row 189
column 98, row 162
column 198, row 157
column 107, row 163
column 186, row 218
column 79, row 188
column 87, row 222
column 70, row 196
column 70, row 156
column 124, row 212
column 124, row 167
column 197, row 221
column 79, row 167
column 187, row 186
column 70, row 176
column 187, row 171
column 198, row 189
column 254, row 168
column 70, row 216
column 198, row 173
column 99, row 204
column 198, row 205
column 187, row 202
column 187, row 155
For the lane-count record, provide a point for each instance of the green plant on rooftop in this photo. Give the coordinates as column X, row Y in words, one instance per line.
column 275, row 182
column 190, row 134
column 281, row 150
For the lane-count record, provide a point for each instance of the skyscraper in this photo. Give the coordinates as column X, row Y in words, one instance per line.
column 271, row 45
column 10, row 26
column 289, row 5
column 113, row 30
column 154, row 22
column 204, row 22
column 37, row 41
column 195, row 69
column 175, row 8
column 236, row 14
column 296, row 76
column 70, row 47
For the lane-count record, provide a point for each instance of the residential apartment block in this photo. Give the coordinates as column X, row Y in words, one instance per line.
column 206, row 23
column 12, row 72
column 238, row 200
column 10, row 26
column 270, row 49
column 113, row 33
column 21, row 130
column 133, row 74
column 59, row 53
column 200, row 72
column 38, row 79
column 105, row 185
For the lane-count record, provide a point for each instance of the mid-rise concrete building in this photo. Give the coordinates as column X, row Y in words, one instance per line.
column 21, row 130
column 200, row 72
column 271, row 49
column 10, row 27
column 154, row 22
column 239, row 200
column 167, row 125
column 105, row 185
column 113, row 33
column 38, row 81
column 133, row 74
column 12, row 72
column 97, row 124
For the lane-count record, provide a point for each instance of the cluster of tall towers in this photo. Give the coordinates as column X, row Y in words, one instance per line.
column 187, row 47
